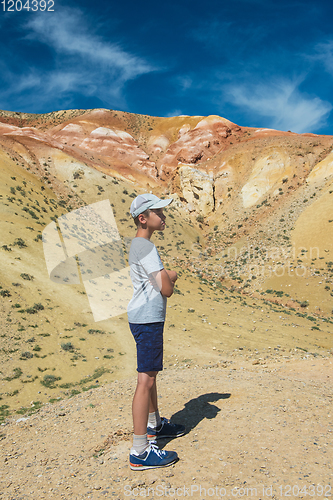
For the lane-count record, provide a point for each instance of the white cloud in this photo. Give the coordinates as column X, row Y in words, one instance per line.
column 176, row 112
column 285, row 107
column 185, row 82
column 67, row 33
column 324, row 55
column 83, row 63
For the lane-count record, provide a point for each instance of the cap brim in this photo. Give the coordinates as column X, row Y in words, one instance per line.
column 161, row 204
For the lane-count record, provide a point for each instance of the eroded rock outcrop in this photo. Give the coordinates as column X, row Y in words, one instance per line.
column 322, row 171
column 268, row 172
column 197, row 190
column 195, row 145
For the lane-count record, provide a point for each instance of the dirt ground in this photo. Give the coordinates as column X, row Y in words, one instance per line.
column 259, row 428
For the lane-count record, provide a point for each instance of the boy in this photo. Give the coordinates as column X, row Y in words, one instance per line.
column 146, row 315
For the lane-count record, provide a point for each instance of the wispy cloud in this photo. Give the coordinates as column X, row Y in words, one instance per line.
column 184, row 82
column 67, row 33
column 323, row 53
column 83, row 63
column 281, row 103
column 176, row 112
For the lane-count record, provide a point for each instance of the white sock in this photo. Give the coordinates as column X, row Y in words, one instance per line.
column 140, row 443
column 154, row 420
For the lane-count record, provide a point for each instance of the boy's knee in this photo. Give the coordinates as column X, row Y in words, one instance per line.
column 147, row 379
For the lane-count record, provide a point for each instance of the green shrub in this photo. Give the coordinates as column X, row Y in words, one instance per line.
column 68, row 346
column 17, row 373
column 35, row 308
column 26, row 355
column 26, row 276
column 20, row 243
column 49, row 381
column 92, row 331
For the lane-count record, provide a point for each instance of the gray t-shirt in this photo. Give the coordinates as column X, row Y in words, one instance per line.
column 147, row 305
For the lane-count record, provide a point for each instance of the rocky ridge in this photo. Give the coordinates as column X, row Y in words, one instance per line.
column 211, row 163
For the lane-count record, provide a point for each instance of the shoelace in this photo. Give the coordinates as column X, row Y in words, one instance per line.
column 157, row 450
column 164, row 421
column 167, row 421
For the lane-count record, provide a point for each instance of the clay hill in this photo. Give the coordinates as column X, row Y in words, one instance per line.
column 250, row 235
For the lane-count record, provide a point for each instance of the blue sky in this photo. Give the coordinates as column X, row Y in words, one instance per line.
column 258, row 63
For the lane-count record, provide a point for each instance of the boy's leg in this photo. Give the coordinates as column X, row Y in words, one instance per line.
column 160, row 428
column 145, row 455
column 154, row 419
column 153, row 405
column 145, row 398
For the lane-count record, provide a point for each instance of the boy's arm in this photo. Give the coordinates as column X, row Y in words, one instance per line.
column 165, row 281
column 172, row 275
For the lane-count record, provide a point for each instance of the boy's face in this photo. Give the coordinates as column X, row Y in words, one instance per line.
column 156, row 219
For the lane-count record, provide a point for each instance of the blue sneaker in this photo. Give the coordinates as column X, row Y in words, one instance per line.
column 165, row 430
column 152, row 458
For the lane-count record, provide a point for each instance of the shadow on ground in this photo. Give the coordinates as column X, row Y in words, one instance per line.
column 195, row 411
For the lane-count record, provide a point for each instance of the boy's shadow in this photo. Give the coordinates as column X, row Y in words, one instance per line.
column 196, row 410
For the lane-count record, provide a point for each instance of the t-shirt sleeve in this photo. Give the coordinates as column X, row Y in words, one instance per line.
column 151, row 262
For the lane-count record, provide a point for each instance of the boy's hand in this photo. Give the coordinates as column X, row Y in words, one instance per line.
column 165, row 281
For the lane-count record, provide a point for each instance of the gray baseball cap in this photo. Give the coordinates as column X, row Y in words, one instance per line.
column 145, row 201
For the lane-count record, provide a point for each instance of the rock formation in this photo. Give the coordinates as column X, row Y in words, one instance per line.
column 210, row 162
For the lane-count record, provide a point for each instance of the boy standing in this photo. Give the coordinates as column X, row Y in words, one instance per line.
column 146, row 315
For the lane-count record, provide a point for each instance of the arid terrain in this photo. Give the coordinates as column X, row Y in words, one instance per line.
column 248, row 336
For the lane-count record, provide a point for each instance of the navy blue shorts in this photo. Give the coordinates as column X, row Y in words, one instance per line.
column 149, row 345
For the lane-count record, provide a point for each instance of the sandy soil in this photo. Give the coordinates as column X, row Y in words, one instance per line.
column 256, row 428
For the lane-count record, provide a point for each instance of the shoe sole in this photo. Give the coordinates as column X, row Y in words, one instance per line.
column 152, row 437
column 144, row 467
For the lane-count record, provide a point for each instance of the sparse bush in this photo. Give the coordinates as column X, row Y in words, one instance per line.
column 17, row 373
column 35, row 308
column 26, row 355
column 20, row 243
column 92, row 331
column 68, row 346
column 26, row 276
column 78, row 174
column 49, row 381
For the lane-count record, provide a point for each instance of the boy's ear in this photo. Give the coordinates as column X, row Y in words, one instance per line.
column 143, row 218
